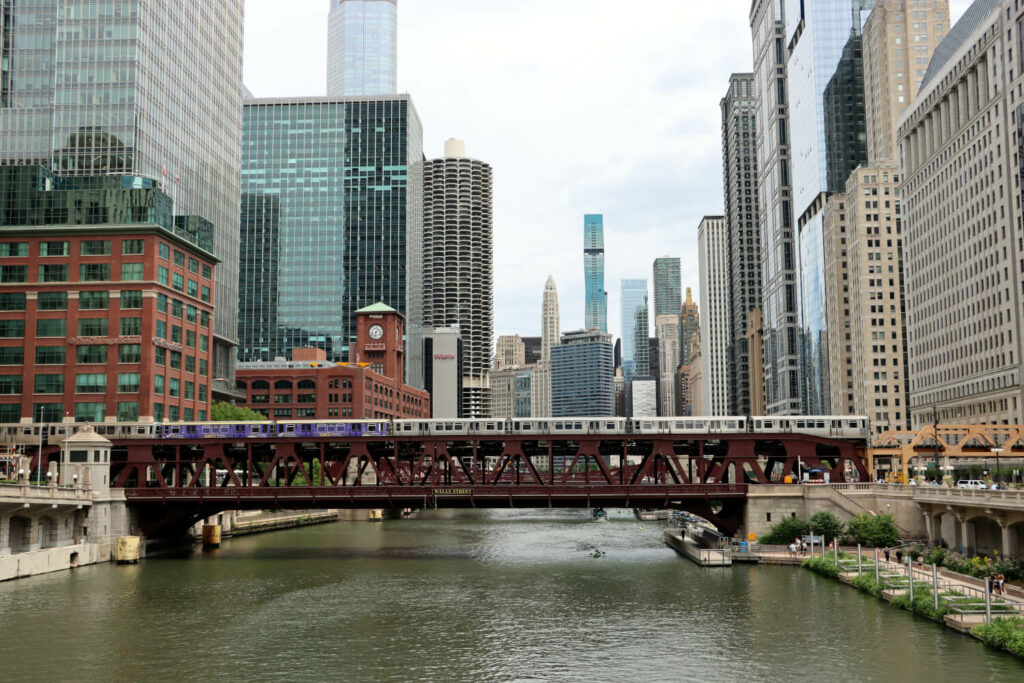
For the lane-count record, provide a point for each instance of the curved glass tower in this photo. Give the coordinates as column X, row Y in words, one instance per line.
column 362, row 47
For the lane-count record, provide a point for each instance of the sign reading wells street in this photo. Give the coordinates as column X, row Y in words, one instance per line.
column 453, row 492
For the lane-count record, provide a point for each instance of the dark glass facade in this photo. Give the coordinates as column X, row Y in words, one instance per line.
column 330, row 200
column 846, row 138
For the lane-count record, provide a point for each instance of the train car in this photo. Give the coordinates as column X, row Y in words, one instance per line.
column 216, row 430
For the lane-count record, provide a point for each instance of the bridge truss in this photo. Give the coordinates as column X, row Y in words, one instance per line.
column 947, row 442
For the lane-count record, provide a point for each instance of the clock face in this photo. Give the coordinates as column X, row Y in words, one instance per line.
column 376, row 332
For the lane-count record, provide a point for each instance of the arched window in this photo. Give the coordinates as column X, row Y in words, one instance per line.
column 307, row 384
column 282, row 384
column 261, row 384
column 239, row 384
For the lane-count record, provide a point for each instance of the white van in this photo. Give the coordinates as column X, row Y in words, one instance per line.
column 970, row 484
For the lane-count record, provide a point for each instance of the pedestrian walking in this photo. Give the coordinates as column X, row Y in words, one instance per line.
column 899, row 556
column 885, row 551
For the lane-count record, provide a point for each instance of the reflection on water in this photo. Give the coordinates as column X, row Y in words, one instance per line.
column 496, row 595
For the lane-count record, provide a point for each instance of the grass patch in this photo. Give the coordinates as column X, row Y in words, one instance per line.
column 1003, row 634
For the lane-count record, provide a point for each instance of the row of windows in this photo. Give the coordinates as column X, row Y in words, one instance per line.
column 60, row 272
column 130, row 299
column 129, row 247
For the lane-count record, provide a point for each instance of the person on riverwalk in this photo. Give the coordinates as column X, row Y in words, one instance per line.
column 1000, row 580
column 885, row 551
column 792, row 550
column 899, row 556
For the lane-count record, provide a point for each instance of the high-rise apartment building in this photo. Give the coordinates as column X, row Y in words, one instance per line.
column 458, row 262
column 755, row 342
column 581, row 375
column 667, row 328
column 836, row 218
column 540, row 381
column 88, row 90
column 668, row 284
column 816, row 35
column 899, row 39
column 596, row 308
column 739, row 180
column 441, row 350
column 689, row 325
column 635, row 325
column 331, row 196
column 502, row 392
column 779, row 296
column 509, row 352
column 362, row 48
column 695, row 381
column 715, row 286
column 960, row 172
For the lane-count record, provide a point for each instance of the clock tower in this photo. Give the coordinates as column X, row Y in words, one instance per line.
column 379, row 340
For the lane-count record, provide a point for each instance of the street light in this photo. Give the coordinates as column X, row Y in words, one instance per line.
column 997, row 450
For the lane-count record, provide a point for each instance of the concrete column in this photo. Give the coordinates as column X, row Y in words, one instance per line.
column 5, row 531
column 972, row 93
column 1006, row 542
column 982, row 70
column 963, row 110
column 34, row 530
column 967, row 534
column 928, row 527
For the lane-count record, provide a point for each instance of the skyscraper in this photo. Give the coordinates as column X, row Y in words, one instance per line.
column 329, row 218
column 667, row 327
column 739, row 179
column 667, row 286
column 509, row 352
column 689, row 326
column 582, row 375
column 635, row 326
column 458, row 262
column 90, row 93
column 816, row 35
column 713, row 252
column 596, row 311
column 362, row 47
column 962, row 223
column 540, row 384
column 779, row 296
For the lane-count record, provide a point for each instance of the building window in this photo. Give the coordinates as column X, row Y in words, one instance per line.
column 305, row 412
column 131, row 326
column 190, row 313
column 306, row 398
column 91, row 383
column 54, row 249
column 176, row 334
column 179, row 282
column 190, row 390
column 12, row 355
column 205, row 296
column 175, row 360
column 206, row 270
column 92, row 327
column 161, row 303
column 202, row 367
column 93, row 301
column 179, row 258
column 51, row 327
column 127, row 382
column 12, row 328
column 133, row 247
column 127, row 411
column 10, row 412
column 282, row 412
column 204, row 319
column 52, row 301
column 131, row 272
column 190, row 363
column 189, row 415
column 193, row 265
column 161, row 329
column 174, row 387
column 10, row 384
column 159, row 356
column 176, row 306
column 202, row 393
column 91, row 354
column 172, row 413
column 94, row 272
column 158, row 411
column 131, row 299
column 49, row 384
column 164, row 251
column 21, row 249
column 50, row 355
column 282, row 398
column 129, row 353
column 190, row 338
column 193, row 288
column 12, row 301
column 158, row 384
column 95, row 248
column 13, row 273
column 90, row 412
column 162, row 275
column 260, row 398
column 47, row 412
column 53, row 272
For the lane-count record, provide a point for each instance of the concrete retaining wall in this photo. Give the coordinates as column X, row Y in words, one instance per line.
column 52, row 559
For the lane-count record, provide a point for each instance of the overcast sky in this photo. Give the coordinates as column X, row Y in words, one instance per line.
column 581, row 106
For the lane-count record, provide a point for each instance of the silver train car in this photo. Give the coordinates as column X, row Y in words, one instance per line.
column 833, row 426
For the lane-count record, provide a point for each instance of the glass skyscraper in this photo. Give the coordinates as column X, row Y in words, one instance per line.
column 635, row 327
column 668, row 287
column 362, row 47
column 330, row 220
column 582, row 367
column 149, row 89
column 595, row 314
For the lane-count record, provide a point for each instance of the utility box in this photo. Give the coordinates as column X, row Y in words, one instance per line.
column 126, row 550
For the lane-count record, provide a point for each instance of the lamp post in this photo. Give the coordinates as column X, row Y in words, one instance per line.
column 997, row 450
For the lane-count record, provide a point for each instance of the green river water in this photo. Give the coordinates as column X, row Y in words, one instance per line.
column 472, row 596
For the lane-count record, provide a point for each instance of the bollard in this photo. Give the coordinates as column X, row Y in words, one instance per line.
column 876, row 567
column 812, row 544
column 860, row 568
column 211, row 535
column 835, row 552
column 988, row 599
column 935, row 584
column 910, row 580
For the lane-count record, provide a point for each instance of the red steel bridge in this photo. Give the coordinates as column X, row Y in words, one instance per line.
column 173, row 483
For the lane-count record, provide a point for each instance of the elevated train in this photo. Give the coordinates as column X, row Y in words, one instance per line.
column 833, row 426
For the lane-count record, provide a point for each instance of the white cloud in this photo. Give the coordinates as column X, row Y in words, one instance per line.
column 579, row 105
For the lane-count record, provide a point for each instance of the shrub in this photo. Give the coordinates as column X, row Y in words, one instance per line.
column 823, row 566
column 923, row 604
column 826, row 525
column 785, row 531
column 873, row 531
column 1003, row 633
column 867, row 584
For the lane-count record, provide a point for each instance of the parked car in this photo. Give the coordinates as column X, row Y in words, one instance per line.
column 970, row 484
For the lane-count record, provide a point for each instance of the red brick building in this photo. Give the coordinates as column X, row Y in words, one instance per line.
column 310, row 387
column 104, row 322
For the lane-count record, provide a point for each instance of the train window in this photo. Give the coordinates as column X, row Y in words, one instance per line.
column 731, row 424
column 371, row 428
column 578, row 425
column 458, row 426
column 800, row 424
column 646, row 425
column 853, row 424
column 609, row 425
